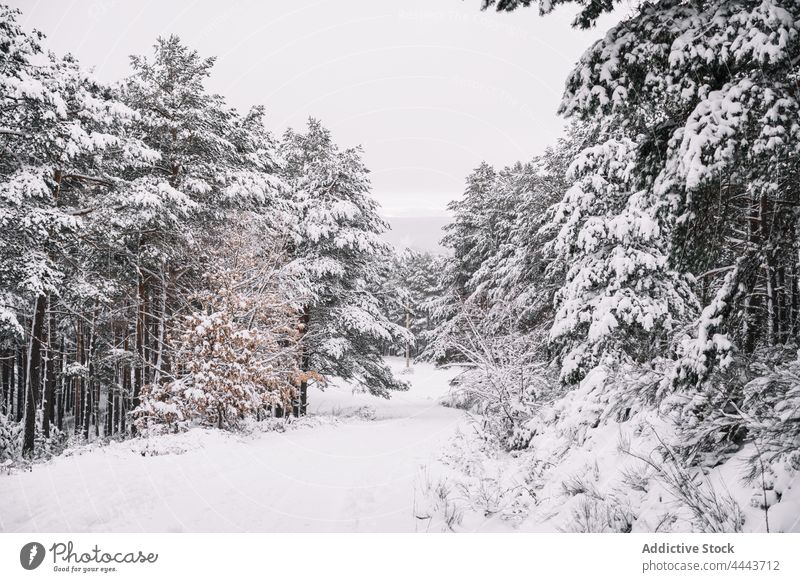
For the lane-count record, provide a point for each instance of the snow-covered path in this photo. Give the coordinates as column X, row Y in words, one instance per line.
column 348, row 475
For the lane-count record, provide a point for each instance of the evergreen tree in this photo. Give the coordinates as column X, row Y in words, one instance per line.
column 678, row 202
column 472, row 235
column 337, row 250
column 590, row 10
column 620, row 298
column 408, row 284
column 472, row 238
column 712, row 133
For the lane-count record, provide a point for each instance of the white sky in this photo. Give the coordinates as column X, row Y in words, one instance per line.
column 428, row 87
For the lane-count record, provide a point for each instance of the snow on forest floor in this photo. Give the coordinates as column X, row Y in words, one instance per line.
column 362, row 463
column 352, row 465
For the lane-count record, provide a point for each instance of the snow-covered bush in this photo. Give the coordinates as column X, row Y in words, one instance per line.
column 502, row 382
column 237, row 352
column 771, row 413
column 482, row 483
column 10, row 439
column 712, row 511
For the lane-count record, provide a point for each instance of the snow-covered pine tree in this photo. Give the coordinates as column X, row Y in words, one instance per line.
column 498, row 258
column 654, row 141
column 215, row 157
column 473, row 237
column 620, row 298
column 514, row 274
column 407, row 286
column 337, row 251
column 706, row 98
column 586, row 18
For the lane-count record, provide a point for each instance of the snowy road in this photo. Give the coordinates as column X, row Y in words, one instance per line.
column 352, row 475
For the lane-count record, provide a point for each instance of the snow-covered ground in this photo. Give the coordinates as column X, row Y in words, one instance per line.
column 352, row 466
column 361, row 463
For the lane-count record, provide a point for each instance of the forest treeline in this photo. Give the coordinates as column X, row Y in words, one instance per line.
column 643, row 273
column 166, row 260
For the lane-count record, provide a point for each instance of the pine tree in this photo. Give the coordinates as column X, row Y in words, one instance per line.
column 337, row 250
column 407, row 286
column 471, row 235
column 620, row 297
column 590, row 10
column 498, row 261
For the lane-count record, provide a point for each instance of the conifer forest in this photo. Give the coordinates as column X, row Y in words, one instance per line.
column 199, row 302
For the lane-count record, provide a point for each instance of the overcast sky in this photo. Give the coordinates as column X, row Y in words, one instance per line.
column 428, row 87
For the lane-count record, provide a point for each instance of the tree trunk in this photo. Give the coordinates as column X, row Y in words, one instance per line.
column 161, row 325
column 408, row 345
column 96, row 412
column 5, row 381
column 90, row 405
column 94, row 383
column 77, row 401
column 751, row 300
column 33, row 375
column 139, row 365
column 113, row 389
column 147, row 347
column 793, row 306
column 87, row 409
column 782, row 304
column 65, row 382
column 301, row 400
column 48, row 407
column 19, row 376
column 771, row 319
column 126, row 386
column 301, row 406
column 60, row 404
